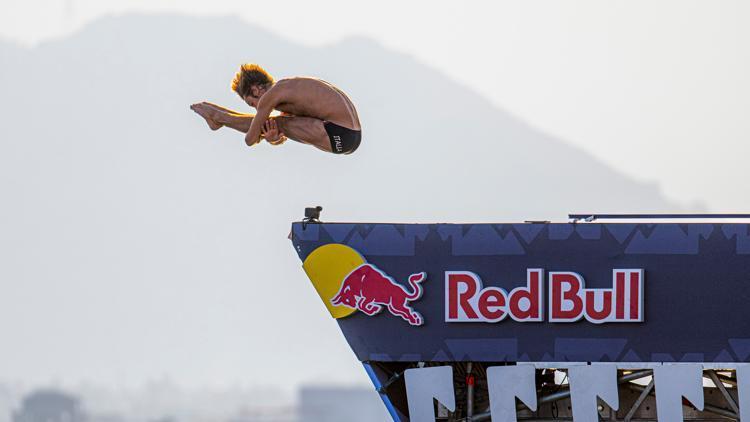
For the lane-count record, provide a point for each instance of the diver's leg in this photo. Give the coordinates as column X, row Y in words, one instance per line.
column 307, row 130
column 216, row 117
column 216, row 106
column 233, row 119
column 239, row 122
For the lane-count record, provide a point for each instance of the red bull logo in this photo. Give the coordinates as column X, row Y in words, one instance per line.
column 370, row 290
column 347, row 283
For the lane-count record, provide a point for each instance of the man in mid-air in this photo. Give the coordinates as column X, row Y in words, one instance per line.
column 313, row 112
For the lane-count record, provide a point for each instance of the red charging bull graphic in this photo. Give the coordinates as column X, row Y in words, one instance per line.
column 370, row 290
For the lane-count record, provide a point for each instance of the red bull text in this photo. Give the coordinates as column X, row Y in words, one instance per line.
column 569, row 299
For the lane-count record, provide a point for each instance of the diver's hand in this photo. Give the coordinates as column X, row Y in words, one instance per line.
column 272, row 134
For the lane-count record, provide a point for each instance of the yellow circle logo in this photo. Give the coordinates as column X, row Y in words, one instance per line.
column 327, row 266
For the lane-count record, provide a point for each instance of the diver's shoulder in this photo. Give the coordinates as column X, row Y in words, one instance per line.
column 302, row 80
column 296, row 79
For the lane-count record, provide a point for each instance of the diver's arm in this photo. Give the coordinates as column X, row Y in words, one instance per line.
column 265, row 106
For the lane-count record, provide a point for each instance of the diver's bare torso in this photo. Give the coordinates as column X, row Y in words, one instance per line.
column 311, row 97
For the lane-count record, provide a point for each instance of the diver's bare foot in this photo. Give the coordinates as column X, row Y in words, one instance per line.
column 213, row 125
column 205, row 112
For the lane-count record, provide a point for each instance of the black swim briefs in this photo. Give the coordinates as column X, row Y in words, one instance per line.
column 343, row 140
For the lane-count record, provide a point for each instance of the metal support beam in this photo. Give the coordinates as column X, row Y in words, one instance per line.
column 383, row 389
column 469, row 392
column 720, row 385
column 592, row 217
column 727, row 380
column 639, row 401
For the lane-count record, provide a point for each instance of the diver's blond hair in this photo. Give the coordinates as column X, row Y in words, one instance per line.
column 249, row 75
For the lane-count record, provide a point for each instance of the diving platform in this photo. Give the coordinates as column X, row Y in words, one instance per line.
column 603, row 317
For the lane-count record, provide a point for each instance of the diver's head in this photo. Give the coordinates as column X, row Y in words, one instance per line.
column 251, row 82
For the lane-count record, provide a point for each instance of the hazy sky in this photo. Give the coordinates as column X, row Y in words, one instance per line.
column 657, row 89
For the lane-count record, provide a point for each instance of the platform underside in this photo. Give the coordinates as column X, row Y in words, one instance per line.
column 635, row 390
